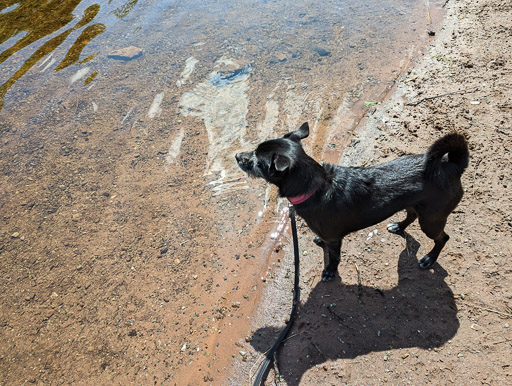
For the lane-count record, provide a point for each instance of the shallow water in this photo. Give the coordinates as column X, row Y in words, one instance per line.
column 118, row 154
column 296, row 61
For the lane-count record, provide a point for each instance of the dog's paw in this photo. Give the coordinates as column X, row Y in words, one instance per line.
column 395, row 228
column 318, row 241
column 427, row 262
column 328, row 275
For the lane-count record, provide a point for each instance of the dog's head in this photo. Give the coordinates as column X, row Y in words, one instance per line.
column 274, row 159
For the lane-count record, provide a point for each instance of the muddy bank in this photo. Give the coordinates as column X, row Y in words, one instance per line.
column 402, row 325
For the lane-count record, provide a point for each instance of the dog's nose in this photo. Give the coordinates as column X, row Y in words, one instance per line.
column 238, row 156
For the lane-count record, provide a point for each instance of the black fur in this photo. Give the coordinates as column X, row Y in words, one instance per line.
column 347, row 199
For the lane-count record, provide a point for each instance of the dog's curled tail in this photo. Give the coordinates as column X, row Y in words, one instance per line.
column 447, row 158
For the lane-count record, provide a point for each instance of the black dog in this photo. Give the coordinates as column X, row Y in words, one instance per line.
column 335, row 200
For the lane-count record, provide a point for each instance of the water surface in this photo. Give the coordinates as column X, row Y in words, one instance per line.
column 120, row 174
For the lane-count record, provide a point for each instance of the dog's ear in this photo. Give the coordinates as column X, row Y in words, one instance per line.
column 301, row 133
column 280, row 162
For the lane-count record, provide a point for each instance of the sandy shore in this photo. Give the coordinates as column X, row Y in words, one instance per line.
column 403, row 326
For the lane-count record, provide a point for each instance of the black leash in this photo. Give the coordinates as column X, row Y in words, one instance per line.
column 261, row 376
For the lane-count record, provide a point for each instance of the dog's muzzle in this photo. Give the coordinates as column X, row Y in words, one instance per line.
column 245, row 161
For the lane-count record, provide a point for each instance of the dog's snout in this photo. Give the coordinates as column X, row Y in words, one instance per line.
column 244, row 160
column 243, row 157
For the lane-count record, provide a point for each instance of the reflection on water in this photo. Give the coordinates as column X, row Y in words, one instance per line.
column 29, row 22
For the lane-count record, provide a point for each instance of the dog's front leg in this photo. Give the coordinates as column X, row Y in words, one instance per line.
column 331, row 257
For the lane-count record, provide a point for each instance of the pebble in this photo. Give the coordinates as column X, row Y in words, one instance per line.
column 15, row 235
column 322, row 51
column 127, row 53
column 281, row 57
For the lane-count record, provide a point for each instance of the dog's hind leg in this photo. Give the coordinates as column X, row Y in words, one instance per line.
column 331, row 259
column 435, row 231
column 399, row 227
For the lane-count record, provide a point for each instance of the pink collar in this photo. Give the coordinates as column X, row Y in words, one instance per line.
column 301, row 198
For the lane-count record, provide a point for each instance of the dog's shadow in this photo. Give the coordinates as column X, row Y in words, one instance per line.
column 345, row 321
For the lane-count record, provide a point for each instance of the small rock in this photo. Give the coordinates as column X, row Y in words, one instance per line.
column 132, row 333
column 163, row 251
column 177, row 261
column 506, row 325
column 322, row 51
column 48, row 314
column 30, row 296
column 405, row 356
column 127, row 53
column 15, row 235
column 281, row 57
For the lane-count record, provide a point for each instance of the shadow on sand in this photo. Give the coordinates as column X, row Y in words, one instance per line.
column 419, row 312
